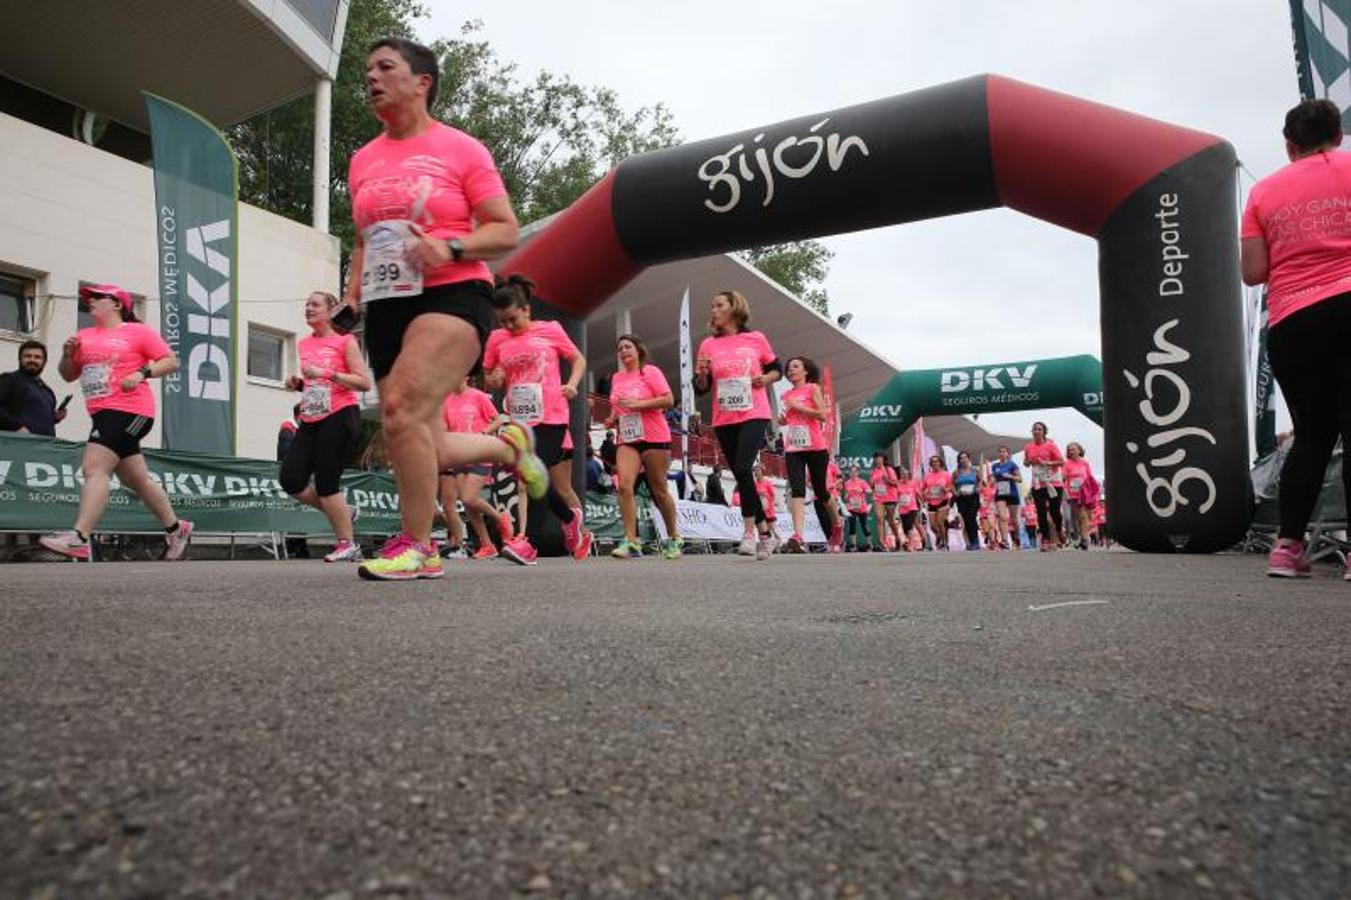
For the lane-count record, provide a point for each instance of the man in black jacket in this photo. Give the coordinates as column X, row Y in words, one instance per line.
column 26, row 403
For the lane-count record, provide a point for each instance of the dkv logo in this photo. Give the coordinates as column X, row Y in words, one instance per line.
column 986, row 379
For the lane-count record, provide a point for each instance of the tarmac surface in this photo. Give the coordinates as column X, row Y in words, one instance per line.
column 965, row 725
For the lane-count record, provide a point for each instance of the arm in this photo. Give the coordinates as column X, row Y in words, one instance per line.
column 496, row 233
column 352, row 296
column 165, row 365
column 575, row 374
column 68, row 368
column 1255, row 261
column 356, row 378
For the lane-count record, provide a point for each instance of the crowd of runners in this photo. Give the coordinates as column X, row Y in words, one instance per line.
column 430, row 209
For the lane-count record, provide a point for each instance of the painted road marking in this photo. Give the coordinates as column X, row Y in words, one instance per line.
column 1035, row 608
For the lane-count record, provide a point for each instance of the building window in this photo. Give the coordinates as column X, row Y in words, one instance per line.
column 267, row 353
column 16, row 303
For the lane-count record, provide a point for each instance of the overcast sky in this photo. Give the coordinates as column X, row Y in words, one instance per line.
column 943, row 292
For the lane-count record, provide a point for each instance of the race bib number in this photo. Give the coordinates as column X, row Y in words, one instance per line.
column 96, row 380
column 1043, row 475
column 734, row 394
column 1003, row 488
column 1076, row 485
column 317, row 400
column 631, row 430
column 525, row 403
column 384, row 270
column 966, row 490
column 936, row 492
column 798, row 437
column 905, row 499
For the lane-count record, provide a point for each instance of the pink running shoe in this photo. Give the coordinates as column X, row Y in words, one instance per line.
column 1287, row 560
column 67, row 543
column 176, row 542
column 576, row 539
column 520, row 551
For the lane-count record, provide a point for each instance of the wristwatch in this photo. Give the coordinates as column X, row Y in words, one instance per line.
column 456, row 249
column 145, row 372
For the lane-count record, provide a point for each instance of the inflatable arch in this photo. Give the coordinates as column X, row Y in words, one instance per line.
column 1158, row 198
column 1074, row 381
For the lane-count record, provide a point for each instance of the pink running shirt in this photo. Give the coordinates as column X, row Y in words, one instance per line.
column 434, row 179
column 907, row 496
column 883, row 490
column 1075, row 472
column 856, row 495
column 322, row 397
column 801, row 432
column 1041, row 455
column 645, row 425
column 937, row 488
column 468, row 412
column 108, row 355
column 1303, row 212
column 735, row 359
column 534, row 388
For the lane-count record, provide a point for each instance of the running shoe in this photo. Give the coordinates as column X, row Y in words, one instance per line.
column 486, row 551
column 527, row 465
column 67, row 543
column 576, row 538
column 456, row 552
column 765, row 547
column 674, row 548
column 520, row 551
column 1287, row 560
column 796, row 544
column 176, row 542
column 837, row 538
column 628, row 550
column 747, row 546
column 402, row 559
column 346, row 551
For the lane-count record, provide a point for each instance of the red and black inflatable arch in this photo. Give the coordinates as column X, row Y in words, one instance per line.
column 1158, row 198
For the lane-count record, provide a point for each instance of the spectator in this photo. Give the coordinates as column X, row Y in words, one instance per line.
column 27, row 405
column 713, row 492
column 696, row 493
column 677, row 476
column 608, row 450
column 596, row 479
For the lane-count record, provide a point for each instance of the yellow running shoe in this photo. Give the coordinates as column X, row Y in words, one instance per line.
column 529, row 467
column 402, row 559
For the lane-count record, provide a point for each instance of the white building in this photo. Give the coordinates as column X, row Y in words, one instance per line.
column 76, row 189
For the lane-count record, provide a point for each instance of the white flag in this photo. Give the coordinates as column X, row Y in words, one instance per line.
column 686, row 364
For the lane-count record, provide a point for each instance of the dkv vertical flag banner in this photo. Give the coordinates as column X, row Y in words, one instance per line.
column 196, row 223
column 686, row 376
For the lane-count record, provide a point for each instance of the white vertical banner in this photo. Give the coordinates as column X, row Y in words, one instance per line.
column 686, row 376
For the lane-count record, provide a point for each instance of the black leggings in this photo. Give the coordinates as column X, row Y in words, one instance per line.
column 740, row 443
column 1311, row 358
column 858, row 521
column 321, row 449
column 549, row 449
column 1048, row 505
column 968, row 505
column 815, row 462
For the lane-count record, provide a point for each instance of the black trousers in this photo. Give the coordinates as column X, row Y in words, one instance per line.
column 1048, row 507
column 968, row 505
column 1311, row 358
column 740, row 444
column 816, row 463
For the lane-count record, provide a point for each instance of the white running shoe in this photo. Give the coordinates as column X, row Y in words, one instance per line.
column 747, row 546
column 176, row 542
column 765, row 547
column 67, row 543
column 346, row 551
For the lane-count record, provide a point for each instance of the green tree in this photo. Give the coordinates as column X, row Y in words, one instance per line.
column 800, row 266
column 551, row 137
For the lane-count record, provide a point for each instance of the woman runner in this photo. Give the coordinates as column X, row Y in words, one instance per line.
column 989, row 533
column 639, row 393
column 467, row 410
column 113, row 360
column 884, row 483
column 937, row 486
column 966, row 486
column 1029, row 515
column 1045, row 459
column 907, row 509
column 737, row 364
column 523, row 359
column 332, row 370
column 1007, row 477
column 856, row 502
column 1077, row 473
column 806, row 452
column 429, row 208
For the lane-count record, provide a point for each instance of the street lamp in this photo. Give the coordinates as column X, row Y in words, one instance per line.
column 844, row 320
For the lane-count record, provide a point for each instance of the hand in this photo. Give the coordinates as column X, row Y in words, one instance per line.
column 295, row 383
column 703, row 366
column 783, row 419
column 59, row 417
column 131, row 381
column 428, row 252
column 315, row 372
column 569, row 391
column 71, row 346
column 760, row 381
column 495, row 379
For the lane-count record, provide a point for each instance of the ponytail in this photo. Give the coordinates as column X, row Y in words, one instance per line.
column 514, row 290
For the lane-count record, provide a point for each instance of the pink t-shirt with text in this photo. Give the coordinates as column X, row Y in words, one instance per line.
column 108, row 355
column 856, row 495
column 907, row 496
column 434, row 179
column 801, row 431
column 644, row 425
column 883, row 489
column 735, row 359
column 937, row 487
column 322, row 397
column 1303, row 212
column 1043, row 454
column 468, row 412
column 530, row 361
column 1076, row 472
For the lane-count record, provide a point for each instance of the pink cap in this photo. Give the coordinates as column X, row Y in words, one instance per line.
column 106, row 290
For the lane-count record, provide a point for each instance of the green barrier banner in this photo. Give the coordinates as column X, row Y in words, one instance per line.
column 40, row 491
column 1074, row 381
column 603, row 520
column 197, row 229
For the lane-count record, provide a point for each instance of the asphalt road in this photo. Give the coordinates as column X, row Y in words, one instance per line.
column 901, row 726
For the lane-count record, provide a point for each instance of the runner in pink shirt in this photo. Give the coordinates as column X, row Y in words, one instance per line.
column 467, row 410
column 937, row 487
column 1077, row 472
column 885, row 484
column 639, row 394
column 1029, row 516
column 113, row 361
column 1045, row 460
column 737, row 364
column 1297, row 239
column 856, row 492
column 907, row 494
column 805, row 410
column 429, row 208
column 989, row 533
column 332, row 370
column 524, row 360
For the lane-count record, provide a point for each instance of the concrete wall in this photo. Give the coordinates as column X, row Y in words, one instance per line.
column 70, row 213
